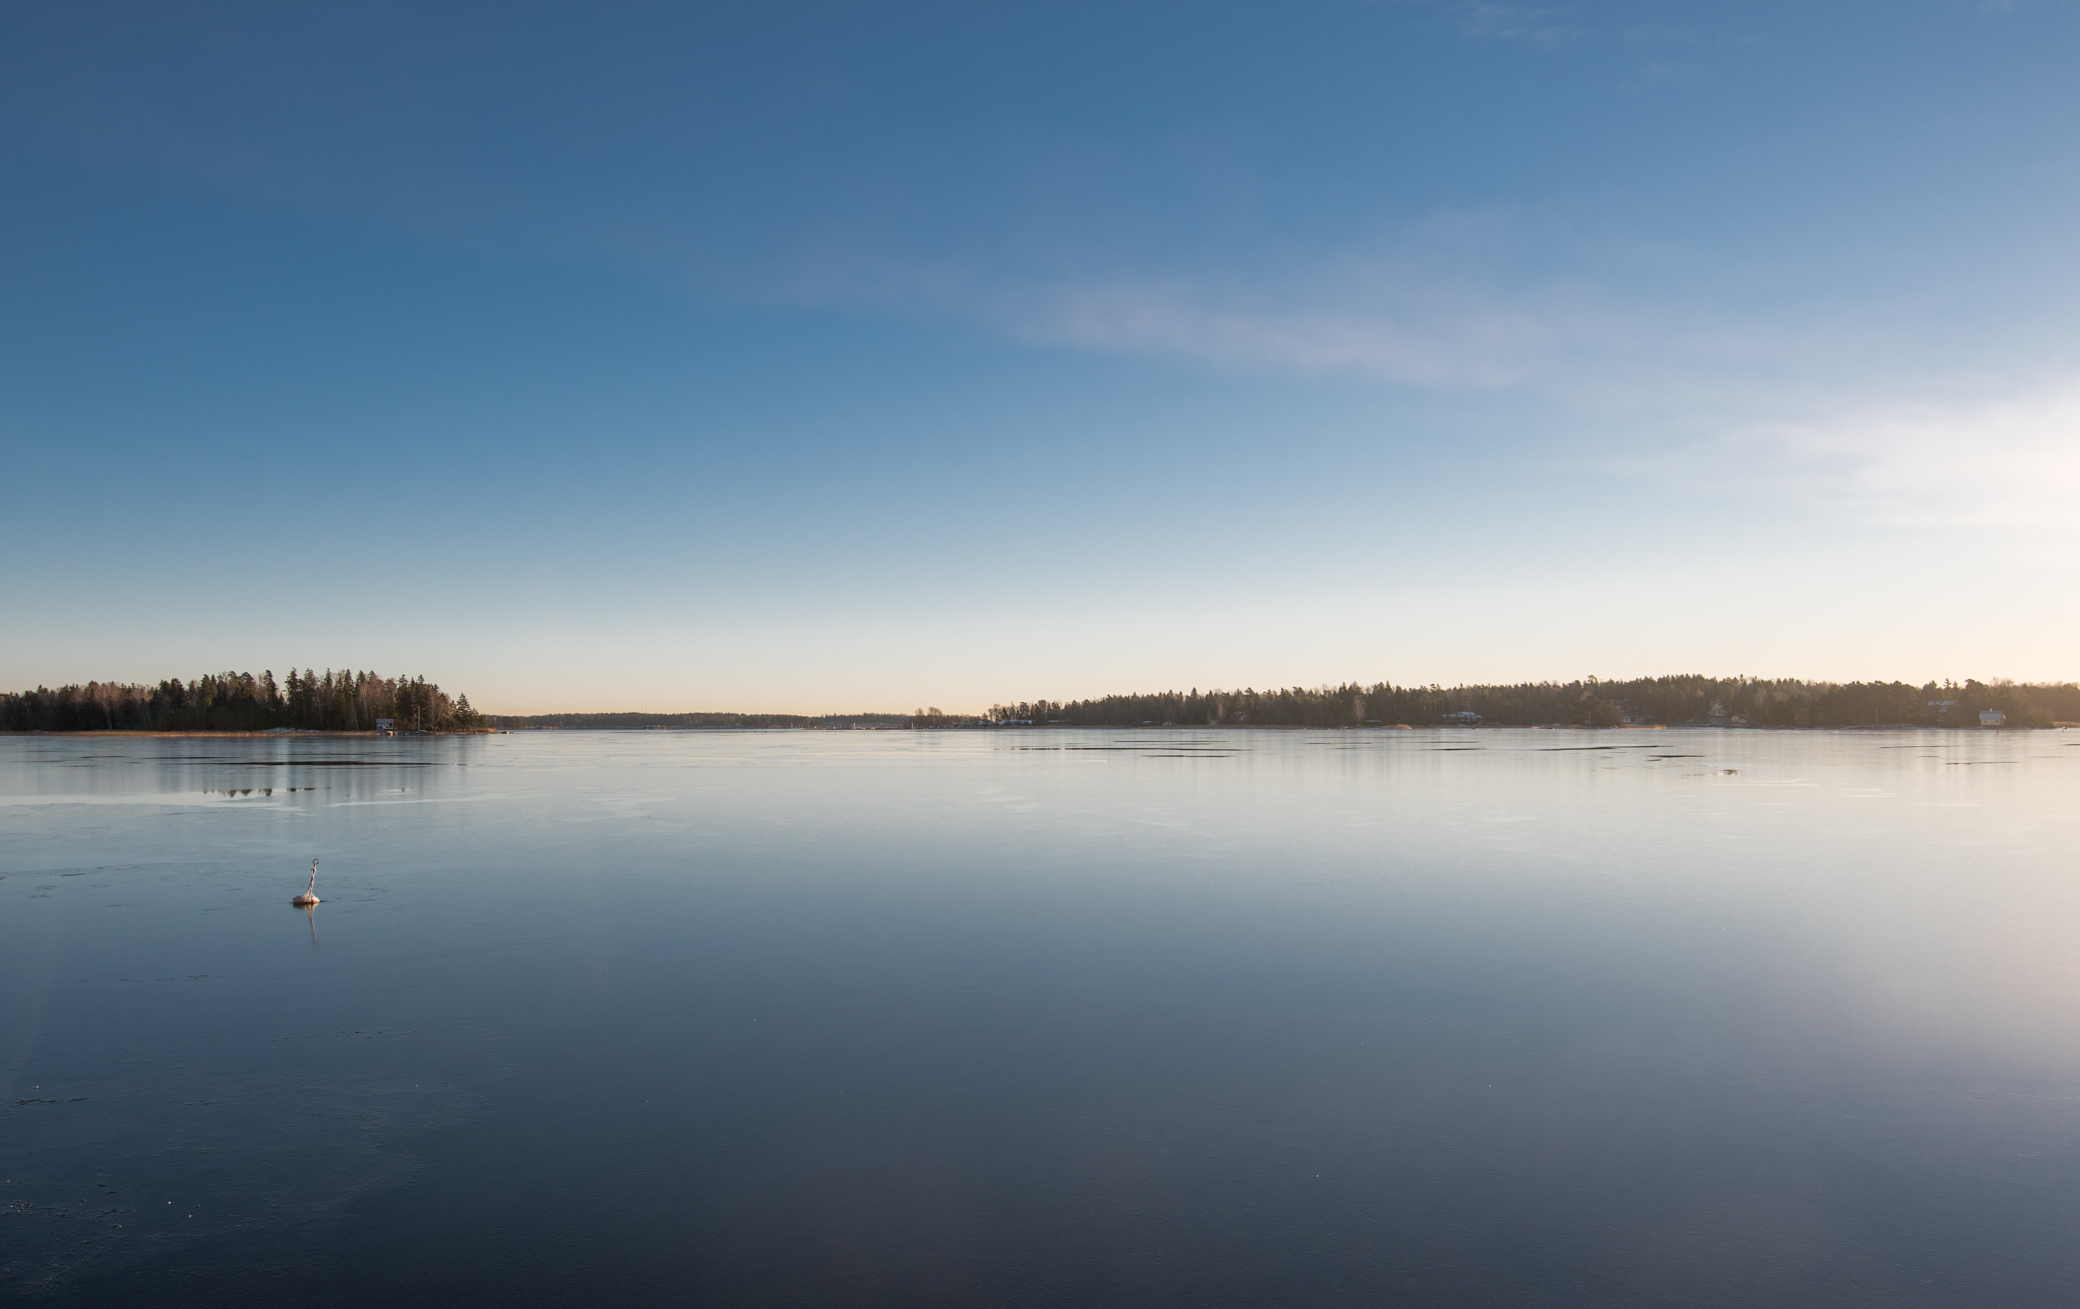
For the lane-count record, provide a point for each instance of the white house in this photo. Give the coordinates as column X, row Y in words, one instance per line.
column 1991, row 718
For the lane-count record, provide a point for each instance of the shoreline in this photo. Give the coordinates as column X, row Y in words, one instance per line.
column 305, row 733
column 274, row 733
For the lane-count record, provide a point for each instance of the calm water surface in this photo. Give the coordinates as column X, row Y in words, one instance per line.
column 1031, row 1017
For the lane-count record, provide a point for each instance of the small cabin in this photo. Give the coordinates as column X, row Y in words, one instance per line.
column 386, row 726
column 1464, row 718
column 1991, row 718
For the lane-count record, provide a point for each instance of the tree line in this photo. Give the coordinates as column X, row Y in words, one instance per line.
column 1755, row 701
column 345, row 701
column 353, row 701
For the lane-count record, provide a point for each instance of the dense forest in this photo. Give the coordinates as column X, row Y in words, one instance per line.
column 240, row 702
column 1734, row 701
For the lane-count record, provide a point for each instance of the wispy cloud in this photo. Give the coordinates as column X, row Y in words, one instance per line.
column 1880, row 413
column 1506, row 22
column 1404, row 317
column 1468, row 343
column 2008, row 463
column 2004, row 455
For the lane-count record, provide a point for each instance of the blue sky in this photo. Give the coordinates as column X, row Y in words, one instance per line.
column 826, row 357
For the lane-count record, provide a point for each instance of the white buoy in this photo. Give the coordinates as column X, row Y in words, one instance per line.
column 310, row 893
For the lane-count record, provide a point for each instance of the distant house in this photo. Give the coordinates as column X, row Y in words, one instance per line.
column 385, row 726
column 1465, row 718
column 1991, row 718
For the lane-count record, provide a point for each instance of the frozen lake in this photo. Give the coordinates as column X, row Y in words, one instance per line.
column 1043, row 1018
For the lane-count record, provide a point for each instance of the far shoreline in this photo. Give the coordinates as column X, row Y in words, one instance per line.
column 308, row 733
column 267, row 733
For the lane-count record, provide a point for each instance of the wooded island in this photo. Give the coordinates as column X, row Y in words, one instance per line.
column 240, row 702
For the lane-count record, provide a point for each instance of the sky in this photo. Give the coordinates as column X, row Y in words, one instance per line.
column 841, row 357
